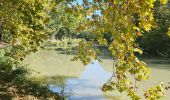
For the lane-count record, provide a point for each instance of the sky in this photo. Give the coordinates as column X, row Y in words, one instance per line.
column 81, row 1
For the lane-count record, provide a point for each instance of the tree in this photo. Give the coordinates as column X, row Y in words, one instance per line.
column 23, row 29
column 156, row 41
column 125, row 20
column 62, row 23
column 24, row 25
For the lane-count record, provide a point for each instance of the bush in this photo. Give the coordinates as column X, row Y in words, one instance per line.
column 18, row 82
column 156, row 43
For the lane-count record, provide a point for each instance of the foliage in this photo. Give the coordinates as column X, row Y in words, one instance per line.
column 65, row 33
column 91, row 37
column 85, row 52
column 125, row 20
column 156, row 41
column 23, row 29
column 63, row 23
column 87, row 36
column 18, row 83
column 154, row 93
column 24, row 25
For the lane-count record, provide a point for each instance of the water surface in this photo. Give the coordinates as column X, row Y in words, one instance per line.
column 84, row 82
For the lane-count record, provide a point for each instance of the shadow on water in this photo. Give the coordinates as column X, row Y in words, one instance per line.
column 57, row 80
column 103, row 54
column 5, row 97
column 159, row 63
column 87, row 86
column 58, row 84
column 83, row 83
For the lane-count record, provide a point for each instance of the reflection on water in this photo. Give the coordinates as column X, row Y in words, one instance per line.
column 87, row 86
column 84, row 83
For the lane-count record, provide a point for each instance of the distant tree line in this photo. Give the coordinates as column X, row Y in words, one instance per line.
column 154, row 42
column 157, row 42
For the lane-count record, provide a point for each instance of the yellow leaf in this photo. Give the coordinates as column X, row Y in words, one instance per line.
column 168, row 33
column 163, row 1
column 147, row 26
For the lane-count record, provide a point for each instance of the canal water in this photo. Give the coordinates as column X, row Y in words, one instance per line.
column 79, row 82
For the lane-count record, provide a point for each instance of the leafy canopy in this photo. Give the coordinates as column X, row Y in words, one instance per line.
column 24, row 29
column 125, row 20
column 23, row 25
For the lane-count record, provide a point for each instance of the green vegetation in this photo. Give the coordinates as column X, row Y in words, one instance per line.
column 23, row 30
column 116, row 24
column 125, row 20
column 63, row 24
column 156, row 42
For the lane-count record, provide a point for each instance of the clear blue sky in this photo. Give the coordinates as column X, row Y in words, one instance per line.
column 81, row 1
